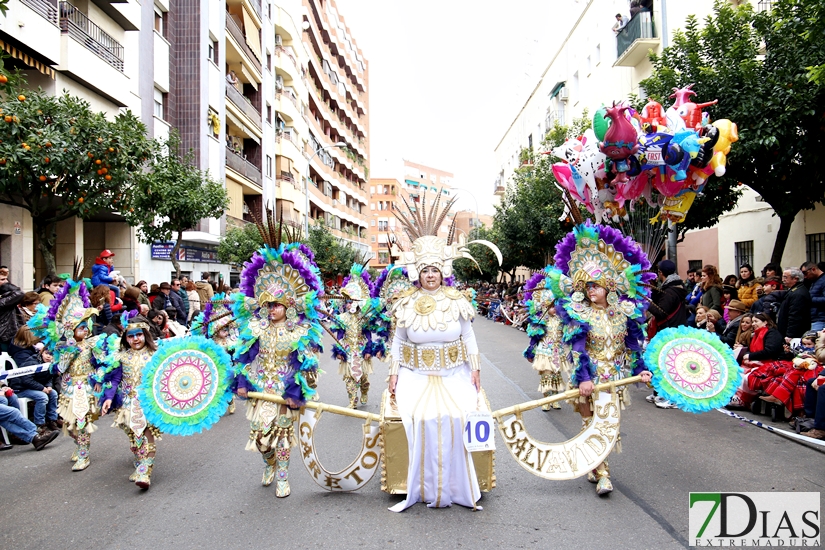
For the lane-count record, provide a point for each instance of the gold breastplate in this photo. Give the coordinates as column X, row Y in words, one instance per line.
column 132, row 362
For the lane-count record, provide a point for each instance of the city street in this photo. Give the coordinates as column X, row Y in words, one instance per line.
column 206, row 489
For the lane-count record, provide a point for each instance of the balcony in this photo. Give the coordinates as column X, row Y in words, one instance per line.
column 635, row 40
column 237, row 34
column 243, row 104
column 96, row 40
column 45, row 9
column 242, row 166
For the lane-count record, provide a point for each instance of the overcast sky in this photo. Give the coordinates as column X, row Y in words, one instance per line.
column 447, row 77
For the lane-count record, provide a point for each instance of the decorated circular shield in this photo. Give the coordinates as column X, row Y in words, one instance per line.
column 185, row 387
column 693, row 369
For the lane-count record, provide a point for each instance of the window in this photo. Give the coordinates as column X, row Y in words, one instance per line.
column 743, row 253
column 383, row 257
column 269, row 10
column 372, row 238
column 372, row 223
column 696, row 265
column 159, row 104
column 598, row 54
column 269, row 61
column 372, row 206
column 269, row 113
column 213, row 52
column 815, row 247
column 268, row 166
column 159, row 22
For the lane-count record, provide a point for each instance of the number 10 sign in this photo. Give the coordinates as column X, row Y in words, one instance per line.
column 478, row 431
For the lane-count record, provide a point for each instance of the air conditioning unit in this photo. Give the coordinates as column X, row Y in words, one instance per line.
column 564, row 95
column 278, row 40
column 279, row 82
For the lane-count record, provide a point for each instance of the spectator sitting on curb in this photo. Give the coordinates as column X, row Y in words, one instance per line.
column 25, row 353
column 17, row 425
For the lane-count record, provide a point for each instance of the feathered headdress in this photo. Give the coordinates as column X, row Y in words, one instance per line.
column 602, row 255
column 216, row 315
column 428, row 249
column 69, row 308
column 357, row 286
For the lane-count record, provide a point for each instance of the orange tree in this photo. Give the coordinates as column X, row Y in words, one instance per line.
column 59, row 159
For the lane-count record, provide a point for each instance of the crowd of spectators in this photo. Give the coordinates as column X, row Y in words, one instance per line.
column 170, row 306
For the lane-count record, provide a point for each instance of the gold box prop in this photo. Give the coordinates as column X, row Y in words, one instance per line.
column 395, row 455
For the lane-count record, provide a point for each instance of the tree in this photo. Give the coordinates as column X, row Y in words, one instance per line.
column 60, row 160
column 762, row 68
column 467, row 271
column 332, row 257
column 239, row 243
column 173, row 197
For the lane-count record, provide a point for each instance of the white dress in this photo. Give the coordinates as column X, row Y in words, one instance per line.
column 432, row 404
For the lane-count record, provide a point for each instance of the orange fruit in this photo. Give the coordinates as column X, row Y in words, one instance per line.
column 2, row 162
column 103, row 170
column 108, row 177
column 43, row 178
column 3, row 79
column 90, row 155
column 98, row 161
column 100, row 172
column 24, row 146
column 7, row 118
column 21, row 97
column 46, row 160
column 80, row 200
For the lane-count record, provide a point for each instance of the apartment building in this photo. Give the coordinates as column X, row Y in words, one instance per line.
column 594, row 66
column 422, row 184
column 337, row 111
column 233, row 77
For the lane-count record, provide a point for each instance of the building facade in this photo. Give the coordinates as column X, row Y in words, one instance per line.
column 254, row 89
column 422, row 184
column 596, row 66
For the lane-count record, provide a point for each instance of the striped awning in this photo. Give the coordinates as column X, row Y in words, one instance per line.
column 27, row 59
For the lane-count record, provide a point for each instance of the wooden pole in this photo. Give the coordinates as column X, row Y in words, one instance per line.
column 363, row 415
column 569, row 394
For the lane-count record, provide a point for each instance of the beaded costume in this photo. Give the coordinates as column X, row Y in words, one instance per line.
column 604, row 342
column 547, row 350
column 355, row 330
column 434, row 354
column 56, row 327
column 215, row 322
column 277, row 357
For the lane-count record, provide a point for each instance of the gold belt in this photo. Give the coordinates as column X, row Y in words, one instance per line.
column 433, row 356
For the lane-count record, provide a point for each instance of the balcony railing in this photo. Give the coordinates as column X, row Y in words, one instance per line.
column 243, row 103
column 78, row 26
column 243, row 166
column 764, row 5
column 640, row 26
column 45, row 8
column 240, row 38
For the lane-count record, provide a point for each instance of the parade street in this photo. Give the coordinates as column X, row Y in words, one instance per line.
column 206, row 490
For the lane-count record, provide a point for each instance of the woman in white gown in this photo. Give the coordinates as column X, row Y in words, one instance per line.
column 434, row 372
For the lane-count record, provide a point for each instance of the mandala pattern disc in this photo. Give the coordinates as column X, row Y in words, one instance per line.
column 693, row 368
column 185, row 385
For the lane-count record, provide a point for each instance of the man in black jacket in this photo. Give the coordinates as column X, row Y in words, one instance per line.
column 10, row 296
column 794, row 317
column 668, row 310
column 735, row 309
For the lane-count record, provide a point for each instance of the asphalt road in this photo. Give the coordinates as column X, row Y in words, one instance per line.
column 206, row 489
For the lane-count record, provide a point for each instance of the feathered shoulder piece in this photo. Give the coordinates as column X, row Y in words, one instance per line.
column 357, row 286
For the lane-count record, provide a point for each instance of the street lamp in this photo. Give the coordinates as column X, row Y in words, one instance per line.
column 306, row 184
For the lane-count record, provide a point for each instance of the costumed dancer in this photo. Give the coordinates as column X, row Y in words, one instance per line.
column 354, row 328
column 601, row 277
column 136, row 349
column 64, row 327
column 215, row 322
column 434, row 374
column 546, row 350
column 278, row 342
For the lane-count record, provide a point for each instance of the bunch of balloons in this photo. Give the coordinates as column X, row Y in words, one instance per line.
column 665, row 157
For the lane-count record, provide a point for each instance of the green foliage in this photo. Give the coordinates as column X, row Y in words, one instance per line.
column 238, row 244
column 557, row 135
column 465, row 270
column 59, row 159
column 173, row 197
column 333, row 257
column 778, row 106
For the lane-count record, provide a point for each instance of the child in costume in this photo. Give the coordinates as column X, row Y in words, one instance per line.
column 546, row 351
column 354, row 328
column 121, row 395
column 278, row 342
column 215, row 322
column 601, row 277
